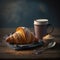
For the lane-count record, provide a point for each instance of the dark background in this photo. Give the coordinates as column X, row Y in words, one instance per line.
column 15, row 13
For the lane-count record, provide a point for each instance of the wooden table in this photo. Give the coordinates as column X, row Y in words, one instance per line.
column 8, row 53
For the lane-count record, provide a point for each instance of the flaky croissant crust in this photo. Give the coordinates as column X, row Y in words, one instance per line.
column 22, row 35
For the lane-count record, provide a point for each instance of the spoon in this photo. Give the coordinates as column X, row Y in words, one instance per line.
column 50, row 45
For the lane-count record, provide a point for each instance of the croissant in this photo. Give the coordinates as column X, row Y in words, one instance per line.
column 22, row 35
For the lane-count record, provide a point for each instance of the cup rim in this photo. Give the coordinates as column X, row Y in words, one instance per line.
column 41, row 21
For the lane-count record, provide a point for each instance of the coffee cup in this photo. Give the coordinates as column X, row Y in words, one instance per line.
column 41, row 26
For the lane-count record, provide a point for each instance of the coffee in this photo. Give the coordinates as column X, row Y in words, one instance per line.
column 40, row 27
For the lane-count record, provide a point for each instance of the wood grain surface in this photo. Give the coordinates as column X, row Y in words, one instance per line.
column 8, row 53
